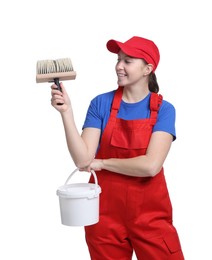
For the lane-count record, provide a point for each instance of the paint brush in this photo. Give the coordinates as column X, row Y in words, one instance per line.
column 54, row 71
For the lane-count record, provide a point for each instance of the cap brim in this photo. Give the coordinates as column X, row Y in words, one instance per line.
column 114, row 46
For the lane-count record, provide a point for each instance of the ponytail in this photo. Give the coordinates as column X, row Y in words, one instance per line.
column 153, row 84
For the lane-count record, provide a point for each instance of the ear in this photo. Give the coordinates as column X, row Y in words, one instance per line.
column 148, row 69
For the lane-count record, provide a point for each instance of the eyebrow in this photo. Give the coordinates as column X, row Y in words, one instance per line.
column 126, row 56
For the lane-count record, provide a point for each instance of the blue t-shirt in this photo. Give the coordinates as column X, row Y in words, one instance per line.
column 99, row 112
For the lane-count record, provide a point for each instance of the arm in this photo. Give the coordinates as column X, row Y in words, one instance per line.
column 142, row 166
column 81, row 147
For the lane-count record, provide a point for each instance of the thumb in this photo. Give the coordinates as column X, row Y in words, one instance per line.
column 63, row 88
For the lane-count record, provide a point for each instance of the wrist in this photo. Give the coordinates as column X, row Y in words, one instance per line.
column 66, row 112
column 103, row 164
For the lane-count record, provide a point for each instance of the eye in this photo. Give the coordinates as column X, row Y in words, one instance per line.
column 127, row 61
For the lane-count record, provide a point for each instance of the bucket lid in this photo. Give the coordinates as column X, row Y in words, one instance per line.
column 79, row 190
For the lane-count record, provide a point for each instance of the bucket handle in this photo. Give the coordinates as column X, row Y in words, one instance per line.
column 94, row 175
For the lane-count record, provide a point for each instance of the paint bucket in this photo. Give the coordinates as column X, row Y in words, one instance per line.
column 79, row 202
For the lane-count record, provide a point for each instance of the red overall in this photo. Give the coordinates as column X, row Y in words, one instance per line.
column 135, row 212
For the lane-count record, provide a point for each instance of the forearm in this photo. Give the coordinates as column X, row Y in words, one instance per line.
column 147, row 165
column 76, row 145
column 140, row 166
column 81, row 149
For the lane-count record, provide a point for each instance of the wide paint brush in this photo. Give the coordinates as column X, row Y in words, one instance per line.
column 54, row 71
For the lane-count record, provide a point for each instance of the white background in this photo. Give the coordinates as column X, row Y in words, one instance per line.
column 34, row 156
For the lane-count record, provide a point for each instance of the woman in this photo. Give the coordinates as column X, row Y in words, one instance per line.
column 126, row 138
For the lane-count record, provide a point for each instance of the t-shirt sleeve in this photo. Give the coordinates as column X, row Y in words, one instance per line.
column 99, row 111
column 93, row 117
column 166, row 119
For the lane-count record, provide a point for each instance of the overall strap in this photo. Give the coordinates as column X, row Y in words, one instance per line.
column 155, row 102
column 116, row 102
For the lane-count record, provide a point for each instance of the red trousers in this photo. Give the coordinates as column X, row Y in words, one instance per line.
column 135, row 214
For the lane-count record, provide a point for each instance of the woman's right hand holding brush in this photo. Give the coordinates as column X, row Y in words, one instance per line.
column 60, row 99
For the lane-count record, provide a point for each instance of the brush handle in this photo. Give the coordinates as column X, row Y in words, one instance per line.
column 57, row 82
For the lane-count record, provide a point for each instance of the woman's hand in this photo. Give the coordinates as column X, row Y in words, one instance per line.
column 97, row 165
column 60, row 100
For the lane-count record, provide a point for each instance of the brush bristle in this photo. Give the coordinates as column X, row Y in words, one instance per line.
column 54, row 66
column 48, row 70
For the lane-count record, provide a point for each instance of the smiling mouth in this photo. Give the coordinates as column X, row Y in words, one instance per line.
column 121, row 75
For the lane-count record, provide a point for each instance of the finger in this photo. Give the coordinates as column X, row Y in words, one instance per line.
column 57, row 100
column 56, row 93
column 63, row 88
column 54, row 86
column 56, row 97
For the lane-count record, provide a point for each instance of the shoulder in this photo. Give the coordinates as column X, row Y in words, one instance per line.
column 166, row 119
column 104, row 97
column 103, row 101
column 166, row 106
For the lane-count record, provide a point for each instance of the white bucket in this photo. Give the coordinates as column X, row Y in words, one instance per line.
column 79, row 202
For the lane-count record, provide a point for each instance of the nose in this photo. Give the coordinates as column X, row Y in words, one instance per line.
column 119, row 65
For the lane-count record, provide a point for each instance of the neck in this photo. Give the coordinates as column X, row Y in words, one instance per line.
column 133, row 95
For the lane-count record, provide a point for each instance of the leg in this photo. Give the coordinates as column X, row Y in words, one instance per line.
column 151, row 232
column 108, row 242
column 165, row 247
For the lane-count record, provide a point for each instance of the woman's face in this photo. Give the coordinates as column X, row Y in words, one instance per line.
column 131, row 71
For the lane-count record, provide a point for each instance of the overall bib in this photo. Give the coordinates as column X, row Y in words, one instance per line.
column 135, row 212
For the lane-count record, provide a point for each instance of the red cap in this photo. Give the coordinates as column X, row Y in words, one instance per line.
column 137, row 47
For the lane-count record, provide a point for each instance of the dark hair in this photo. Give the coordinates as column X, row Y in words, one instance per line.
column 153, row 84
